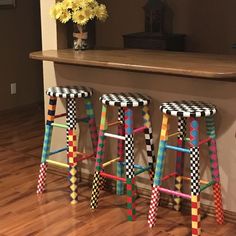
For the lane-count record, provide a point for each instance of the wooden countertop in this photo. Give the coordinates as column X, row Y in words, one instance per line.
column 211, row 66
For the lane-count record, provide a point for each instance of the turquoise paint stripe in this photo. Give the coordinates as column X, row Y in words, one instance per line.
column 179, row 149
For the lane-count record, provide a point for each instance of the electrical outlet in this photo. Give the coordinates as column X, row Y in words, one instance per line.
column 13, row 88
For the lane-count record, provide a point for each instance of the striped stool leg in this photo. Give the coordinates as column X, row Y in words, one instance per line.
column 72, row 149
column 179, row 161
column 149, row 141
column 99, row 158
column 195, row 176
column 129, row 164
column 155, row 197
column 120, row 151
column 92, row 124
column 215, row 170
column 46, row 144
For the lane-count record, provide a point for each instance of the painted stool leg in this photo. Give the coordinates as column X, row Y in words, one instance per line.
column 46, row 144
column 215, row 170
column 195, row 177
column 92, row 124
column 155, row 197
column 129, row 164
column 99, row 158
column 72, row 149
column 120, row 151
column 179, row 161
column 149, row 141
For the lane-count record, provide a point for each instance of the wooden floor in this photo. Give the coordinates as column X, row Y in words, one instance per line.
column 22, row 213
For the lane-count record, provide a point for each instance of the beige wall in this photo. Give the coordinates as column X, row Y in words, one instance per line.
column 161, row 88
column 210, row 25
column 20, row 35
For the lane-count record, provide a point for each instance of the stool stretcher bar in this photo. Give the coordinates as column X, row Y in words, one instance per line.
column 140, row 129
column 84, row 156
column 207, row 185
column 177, row 149
column 171, row 192
column 114, row 123
column 204, row 141
column 57, row 151
column 83, row 119
column 174, row 134
column 114, row 136
column 188, row 178
column 142, row 170
column 56, row 163
column 169, row 176
column 112, row 176
column 60, row 115
column 59, row 125
column 111, row 161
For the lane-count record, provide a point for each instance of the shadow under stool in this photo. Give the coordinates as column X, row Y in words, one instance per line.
column 187, row 111
column 126, row 103
column 70, row 94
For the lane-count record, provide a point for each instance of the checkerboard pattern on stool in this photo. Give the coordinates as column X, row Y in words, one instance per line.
column 125, row 158
column 187, row 111
column 73, row 156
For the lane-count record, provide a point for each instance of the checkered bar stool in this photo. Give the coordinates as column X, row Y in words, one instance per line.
column 192, row 111
column 73, row 156
column 125, row 102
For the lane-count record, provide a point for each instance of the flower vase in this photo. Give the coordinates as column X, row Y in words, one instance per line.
column 80, row 36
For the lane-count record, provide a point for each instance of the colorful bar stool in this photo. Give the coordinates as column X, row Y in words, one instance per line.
column 191, row 110
column 125, row 102
column 73, row 156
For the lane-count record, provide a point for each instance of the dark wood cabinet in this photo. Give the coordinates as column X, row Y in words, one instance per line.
column 152, row 40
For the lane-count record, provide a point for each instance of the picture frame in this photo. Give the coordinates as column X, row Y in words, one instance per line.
column 7, row 3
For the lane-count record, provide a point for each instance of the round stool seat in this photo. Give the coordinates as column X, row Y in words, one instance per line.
column 125, row 99
column 188, row 108
column 70, row 92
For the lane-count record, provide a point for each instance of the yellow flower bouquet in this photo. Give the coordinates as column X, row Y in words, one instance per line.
column 80, row 12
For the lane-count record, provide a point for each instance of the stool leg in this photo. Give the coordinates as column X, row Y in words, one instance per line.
column 120, row 151
column 99, row 157
column 92, row 124
column 149, row 141
column 195, row 176
column 129, row 164
column 215, row 170
column 46, row 145
column 155, row 197
column 179, row 161
column 72, row 149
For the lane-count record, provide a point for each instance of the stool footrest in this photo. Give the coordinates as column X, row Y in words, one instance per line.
column 207, row 185
column 56, row 163
column 58, row 151
column 84, row 156
column 140, row 129
column 110, row 162
column 177, row 148
column 113, row 123
column 109, row 176
column 142, row 170
column 60, row 115
column 171, row 192
column 114, row 136
column 204, row 141
column 59, row 125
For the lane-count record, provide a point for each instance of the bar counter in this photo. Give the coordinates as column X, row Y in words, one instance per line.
column 165, row 76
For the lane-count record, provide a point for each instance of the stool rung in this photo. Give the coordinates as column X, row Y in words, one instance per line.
column 57, row 151
column 110, row 162
column 114, row 123
column 171, row 192
column 204, row 141
column 114, row 136
column 207, row 185
column 188, row 179
column 83, row 119
column 112, row 177
column 169, row 176
column 174, row 134
column 84, row 156
column 56, row 163
column 60, row 115
column 142, row 170
column 59, row 125
column 140, row 129
column 177, row 149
